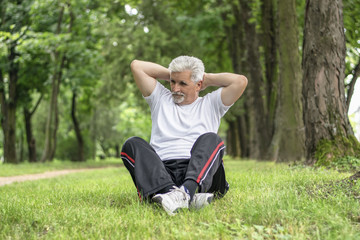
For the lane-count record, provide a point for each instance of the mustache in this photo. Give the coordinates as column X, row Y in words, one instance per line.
column 177, row 94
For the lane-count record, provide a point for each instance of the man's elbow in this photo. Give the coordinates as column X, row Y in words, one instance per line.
column 134, row 64
column 243, row 81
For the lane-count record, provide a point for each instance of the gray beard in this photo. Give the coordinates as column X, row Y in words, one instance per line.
column 178, row 97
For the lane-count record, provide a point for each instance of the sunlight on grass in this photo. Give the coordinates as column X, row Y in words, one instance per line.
column 265, row 201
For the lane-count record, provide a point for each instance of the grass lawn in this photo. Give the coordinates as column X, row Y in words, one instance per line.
column 7, row 170
column 265, row 201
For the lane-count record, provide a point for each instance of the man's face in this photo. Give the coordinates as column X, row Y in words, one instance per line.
column 184, row 90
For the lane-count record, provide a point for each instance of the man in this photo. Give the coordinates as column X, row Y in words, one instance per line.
column 185, row 153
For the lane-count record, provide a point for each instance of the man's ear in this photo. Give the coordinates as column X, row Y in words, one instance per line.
column 199, row 85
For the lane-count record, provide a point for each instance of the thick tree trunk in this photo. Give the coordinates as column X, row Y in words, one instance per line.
column 79, row 137
column 268, row 41
column 325, row 114
column 254, row 95
column 236, row 51
column 288, row 140
column 8, row 107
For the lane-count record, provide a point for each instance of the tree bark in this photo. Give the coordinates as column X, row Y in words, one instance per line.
column 236, row 46
column 254, row 94
column 117, row 151
column 53, row 118
column 29, row 136
column 288, row 140
column 8, row 107
column 233, row 140
column 53, row 114
column 31, row 142
column 268, row 40
column 94, row 133
column 79, row 137
column 325, row 113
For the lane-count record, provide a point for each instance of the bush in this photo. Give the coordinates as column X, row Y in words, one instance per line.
column 67, row 148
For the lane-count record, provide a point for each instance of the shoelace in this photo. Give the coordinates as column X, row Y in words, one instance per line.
column 177, row 197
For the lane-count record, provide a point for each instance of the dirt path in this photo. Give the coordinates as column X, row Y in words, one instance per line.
column 32, row 177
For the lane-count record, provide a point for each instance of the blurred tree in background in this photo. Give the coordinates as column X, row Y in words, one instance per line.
column 67, row 92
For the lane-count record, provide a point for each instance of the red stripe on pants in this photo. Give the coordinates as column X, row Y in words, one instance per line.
column 124, row 154
column 209, row 161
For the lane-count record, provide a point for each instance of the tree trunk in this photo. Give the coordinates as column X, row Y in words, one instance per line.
column 254, row 93
column 52, row 122
column 233, row 144
column 236, row 51
column 268, row 40
column 52, row 118
column 29, row 136
column 29, row 133
column 94, row 133
column 117, row 151
column 288, row 141
column 77, row 129
column 21, row 146
column 8, row 107
column 325, row 114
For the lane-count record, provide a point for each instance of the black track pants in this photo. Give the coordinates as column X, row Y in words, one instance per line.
column 150, row 174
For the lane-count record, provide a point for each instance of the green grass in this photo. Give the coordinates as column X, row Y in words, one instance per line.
column 7, row 170
column 265, row 201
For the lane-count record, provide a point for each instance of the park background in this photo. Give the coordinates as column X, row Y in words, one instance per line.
column 67, row 92
column 68, row 97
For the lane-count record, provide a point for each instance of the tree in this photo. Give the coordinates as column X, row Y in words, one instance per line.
column 13, row 27
column 325, row 113
column 288, row 139
column 52, row 122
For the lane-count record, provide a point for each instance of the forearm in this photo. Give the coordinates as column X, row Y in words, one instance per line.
column 151, row 69
column 220, row 79
column 233, row 85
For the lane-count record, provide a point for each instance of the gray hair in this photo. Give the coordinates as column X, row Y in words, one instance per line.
column 183, row 63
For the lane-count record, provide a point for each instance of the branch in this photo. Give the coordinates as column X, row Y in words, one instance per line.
column 36, row 105
column 22, row 34
column 350, row 92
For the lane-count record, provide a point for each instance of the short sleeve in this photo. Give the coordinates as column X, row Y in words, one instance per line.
column 219, row 107
column 155, row 97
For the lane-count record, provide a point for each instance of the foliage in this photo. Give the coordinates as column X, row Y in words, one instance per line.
column 352, row 35
column 105, row 36
column 265, row 201
column 68, row 148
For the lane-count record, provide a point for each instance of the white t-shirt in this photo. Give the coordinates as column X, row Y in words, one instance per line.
column 175, row 128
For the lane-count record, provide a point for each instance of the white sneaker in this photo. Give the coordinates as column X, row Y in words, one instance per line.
column 201, row 200
column 174, row 200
